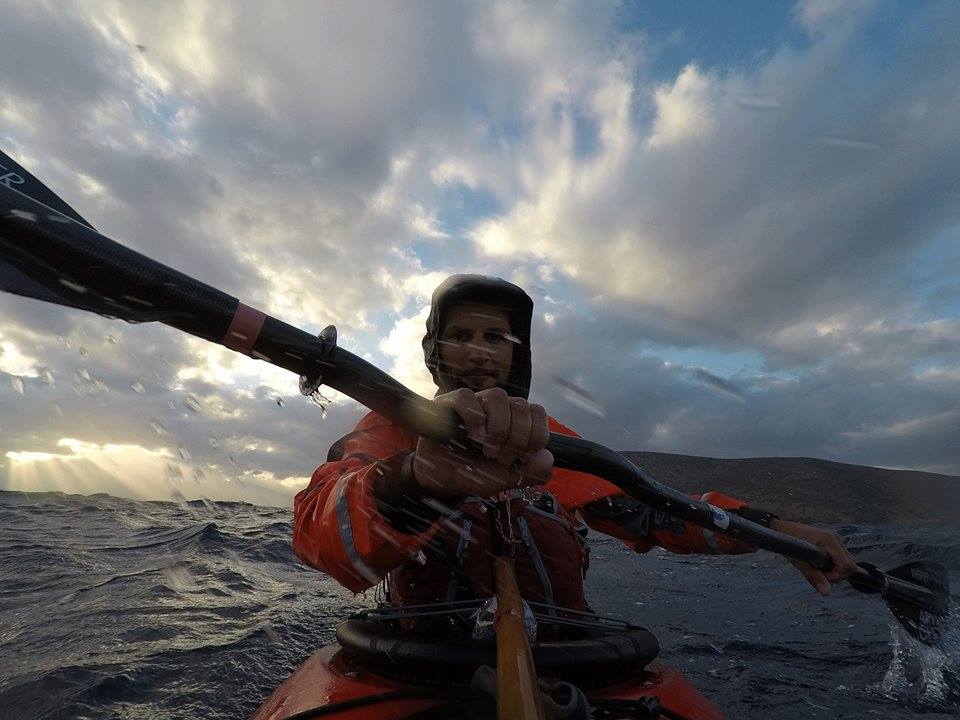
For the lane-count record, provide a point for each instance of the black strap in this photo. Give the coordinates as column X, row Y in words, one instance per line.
column 756, row 515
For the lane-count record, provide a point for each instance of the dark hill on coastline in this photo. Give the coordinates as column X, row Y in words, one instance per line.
column 816, row 491
column 802, row 489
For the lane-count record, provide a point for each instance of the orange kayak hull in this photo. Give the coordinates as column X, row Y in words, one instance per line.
column 329, row 677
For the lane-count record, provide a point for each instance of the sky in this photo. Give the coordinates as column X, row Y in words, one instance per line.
column 739, row 222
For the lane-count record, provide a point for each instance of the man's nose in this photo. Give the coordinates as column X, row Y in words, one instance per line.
column 481, row 346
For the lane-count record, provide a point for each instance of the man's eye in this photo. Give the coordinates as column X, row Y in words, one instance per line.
column 495, row 337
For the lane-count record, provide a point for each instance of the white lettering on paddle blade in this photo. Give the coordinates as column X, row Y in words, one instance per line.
column 10, row 179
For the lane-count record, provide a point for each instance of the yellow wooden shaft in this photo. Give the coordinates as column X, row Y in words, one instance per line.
column 518, row 693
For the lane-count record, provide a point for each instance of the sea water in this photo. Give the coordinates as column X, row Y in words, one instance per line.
column 112, row 608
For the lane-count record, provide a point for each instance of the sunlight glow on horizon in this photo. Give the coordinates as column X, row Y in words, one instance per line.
column 81, row 450
column 140, row 473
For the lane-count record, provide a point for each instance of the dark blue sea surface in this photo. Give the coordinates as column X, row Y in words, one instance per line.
column 113, row 608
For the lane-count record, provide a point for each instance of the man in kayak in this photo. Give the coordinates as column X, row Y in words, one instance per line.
column 428, row 517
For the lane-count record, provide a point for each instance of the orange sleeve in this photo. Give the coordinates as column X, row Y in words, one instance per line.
column 337, row 527
column 643, row 528
column 576, row 491
column 695, row 539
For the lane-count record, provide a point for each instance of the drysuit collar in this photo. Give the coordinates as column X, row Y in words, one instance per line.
column 483, row 290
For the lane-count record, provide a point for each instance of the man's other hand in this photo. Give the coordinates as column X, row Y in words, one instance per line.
column 830, row 543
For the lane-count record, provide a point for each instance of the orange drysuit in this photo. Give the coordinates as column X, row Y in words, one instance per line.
column 340, row 528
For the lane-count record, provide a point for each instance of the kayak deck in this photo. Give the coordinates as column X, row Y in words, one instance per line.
column 329, row 677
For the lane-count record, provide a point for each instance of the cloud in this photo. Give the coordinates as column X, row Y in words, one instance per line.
column 777, row 209
column 402, row 345
column 683, row 110
column 177, row 162
column 425, row 224
column 820, row 16
column 929, row 440
column 837, row 409
column 14, row 362
column 750, row 224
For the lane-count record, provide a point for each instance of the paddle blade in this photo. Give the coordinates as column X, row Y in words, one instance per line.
column 36, row 242
column 20, row 274
column 920, row 613
column 13, row 280
column 14, row 176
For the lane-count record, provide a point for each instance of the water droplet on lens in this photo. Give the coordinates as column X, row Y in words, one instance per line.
column 46, row 376
column 171, row 404
column 83, row 374
column 17, row 383
column 173, row 472
column 279, row 402
column 158, row 427
column 214, row 441
column 138, row 388
column 321, row 402
column 184, row 453
column 272, row 635
column 66, row 341
column 111, row 339
column 84, row 352
column 576, row 395
column 197, row 475
column 760, row 103
column 192, row 403
column 57, row 409
column 178, row 577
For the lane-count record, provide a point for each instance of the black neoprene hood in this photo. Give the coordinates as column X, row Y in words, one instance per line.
column 492, row 292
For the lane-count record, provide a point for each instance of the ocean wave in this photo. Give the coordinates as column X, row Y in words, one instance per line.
column 114, row 608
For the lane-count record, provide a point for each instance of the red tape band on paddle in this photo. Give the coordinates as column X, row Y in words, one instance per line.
column 244, row 329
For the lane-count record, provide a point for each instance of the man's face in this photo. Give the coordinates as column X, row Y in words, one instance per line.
column 476, row 346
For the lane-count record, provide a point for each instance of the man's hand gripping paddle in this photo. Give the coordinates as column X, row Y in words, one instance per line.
column 49, row 252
